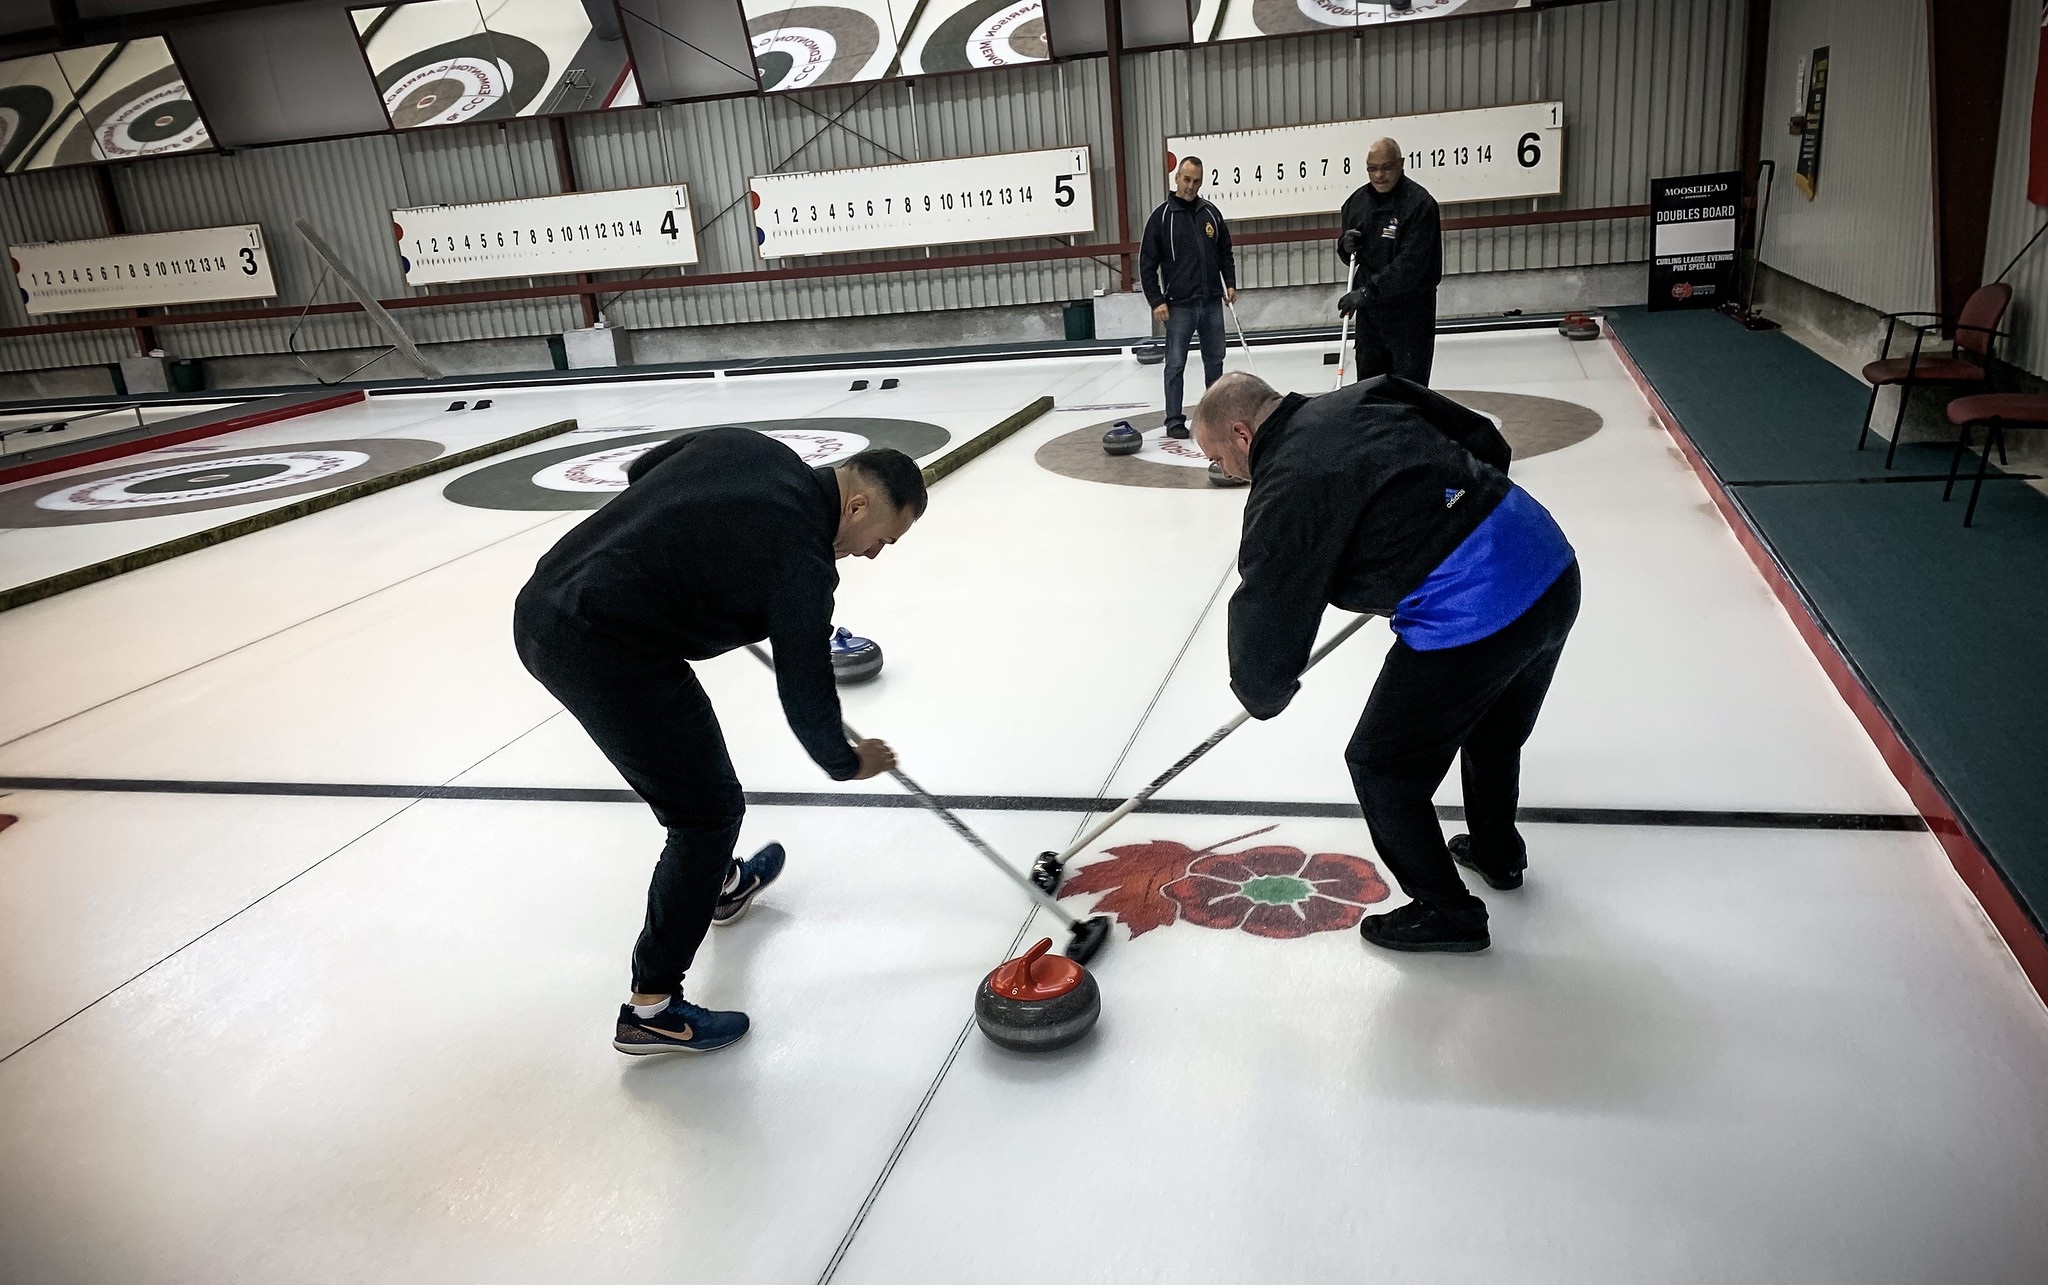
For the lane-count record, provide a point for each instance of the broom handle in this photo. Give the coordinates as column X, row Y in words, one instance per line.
column 1243, row 342
column 1344, row 326
column 1187, row 760
column 959, row 827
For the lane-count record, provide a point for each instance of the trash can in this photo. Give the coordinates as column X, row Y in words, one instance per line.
column 186, row 376
column 1080, row 319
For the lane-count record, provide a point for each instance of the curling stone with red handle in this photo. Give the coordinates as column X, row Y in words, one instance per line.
column 1037, row 1002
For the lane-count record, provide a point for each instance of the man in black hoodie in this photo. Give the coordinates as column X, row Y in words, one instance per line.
column 722, row 538
column 1386, row 498
column 1189, row 273
column 1394, row 234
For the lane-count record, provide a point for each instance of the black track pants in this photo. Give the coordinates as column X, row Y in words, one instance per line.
column 650, row 717
column 1397, row 337
column 1480, row 700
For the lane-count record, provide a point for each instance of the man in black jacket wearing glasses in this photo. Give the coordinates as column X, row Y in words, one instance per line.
column 1386, row 498
column 1392, row 247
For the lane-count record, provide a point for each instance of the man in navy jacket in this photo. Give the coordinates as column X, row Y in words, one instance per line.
column 1189, row 273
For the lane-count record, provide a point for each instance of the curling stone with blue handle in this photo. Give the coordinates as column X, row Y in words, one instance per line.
column 1122, row 439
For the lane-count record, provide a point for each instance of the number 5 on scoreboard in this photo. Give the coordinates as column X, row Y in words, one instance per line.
column 1063, row 186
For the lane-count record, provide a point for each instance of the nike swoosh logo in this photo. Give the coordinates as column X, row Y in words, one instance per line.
column 748, row 891
column 685, row 1034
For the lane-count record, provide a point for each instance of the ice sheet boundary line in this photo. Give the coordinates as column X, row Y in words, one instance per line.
column 1696, row 818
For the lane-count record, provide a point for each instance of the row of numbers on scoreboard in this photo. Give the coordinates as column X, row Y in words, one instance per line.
column 529, row 238
column 245, row 262
column 911, row 205
column 1528, row 154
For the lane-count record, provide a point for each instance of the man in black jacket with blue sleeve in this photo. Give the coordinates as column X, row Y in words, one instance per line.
column 1388, row 499
column 1189, row 273
column 722, row 538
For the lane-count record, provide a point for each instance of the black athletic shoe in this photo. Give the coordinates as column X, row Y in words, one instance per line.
column 1419, row 926
column 1179, row 428
column 1498, row 880
column 755, row 874
column 682, row 1027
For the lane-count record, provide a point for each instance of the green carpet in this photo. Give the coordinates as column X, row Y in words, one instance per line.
column 1769, row 409
column 1946, row 624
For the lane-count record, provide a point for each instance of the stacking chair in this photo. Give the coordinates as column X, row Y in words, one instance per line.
column 1997, row 412
column 1966, row 363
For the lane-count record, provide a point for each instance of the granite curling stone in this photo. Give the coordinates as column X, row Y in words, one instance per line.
column 854, row 659
column 1578, row 325
column 1122, row 439
column 1037, row 1002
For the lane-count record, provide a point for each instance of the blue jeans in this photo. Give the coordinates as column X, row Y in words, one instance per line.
column 1183, row 322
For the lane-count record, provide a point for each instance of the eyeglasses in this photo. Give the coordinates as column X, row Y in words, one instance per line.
column 1383, row 169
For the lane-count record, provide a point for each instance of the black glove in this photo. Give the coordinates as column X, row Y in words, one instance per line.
column 1351, row 242
column 1351, row 303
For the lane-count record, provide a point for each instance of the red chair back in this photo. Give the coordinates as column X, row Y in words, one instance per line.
column 1986, row 308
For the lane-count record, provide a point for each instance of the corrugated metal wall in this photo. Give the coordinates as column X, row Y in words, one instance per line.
column 1869, row 233
column 1650, row 88
column 2013, row 219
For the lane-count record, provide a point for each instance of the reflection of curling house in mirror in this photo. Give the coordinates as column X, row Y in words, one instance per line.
column 1248, row 19
column 1533, row 426
column 112, row 102
column 968, row 35
column 803, row 45
column 449, row 62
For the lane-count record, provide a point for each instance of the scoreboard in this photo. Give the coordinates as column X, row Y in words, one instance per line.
column 882, row 207
column 151, row 270
column 1486, row 154
column 635, row 227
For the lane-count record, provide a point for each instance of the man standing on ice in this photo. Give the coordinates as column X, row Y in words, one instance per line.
column 721, row 538
column 1392, row 248
column 1386, row 498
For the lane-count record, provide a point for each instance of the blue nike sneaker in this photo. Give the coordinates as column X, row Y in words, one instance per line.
column 755, row 874
column 682, row 1027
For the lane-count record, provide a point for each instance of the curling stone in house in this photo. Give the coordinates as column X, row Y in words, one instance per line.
column 1122, row 439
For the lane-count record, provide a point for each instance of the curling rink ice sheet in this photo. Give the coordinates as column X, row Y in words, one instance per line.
column 265, row 1036
column 85, row 515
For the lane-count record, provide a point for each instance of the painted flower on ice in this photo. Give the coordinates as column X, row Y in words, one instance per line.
column 1277, row 891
